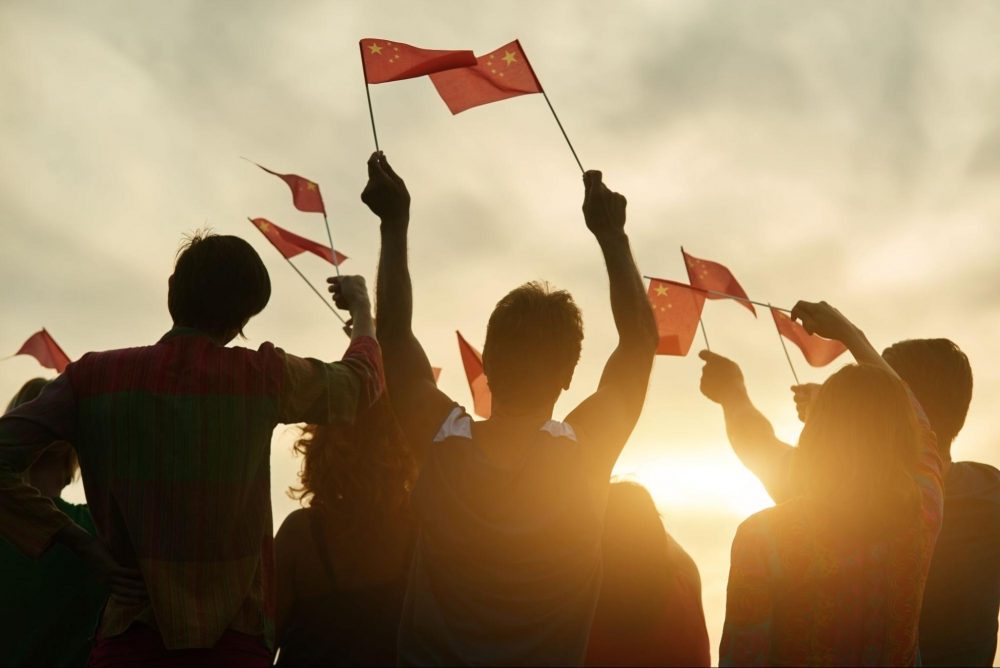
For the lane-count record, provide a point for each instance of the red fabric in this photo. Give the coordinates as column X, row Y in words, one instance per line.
column 436, row 370
column 677, row 309
column 392, row 61
column 290, row 245
column 817, row 350
column 305, row 193
column 44, row 348
column 496, row 76
column 142, row 646
column 713, row 276
column 482, row 398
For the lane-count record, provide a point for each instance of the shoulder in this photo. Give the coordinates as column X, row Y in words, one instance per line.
column 294, row 527
column 457, row 424
column 973, row 479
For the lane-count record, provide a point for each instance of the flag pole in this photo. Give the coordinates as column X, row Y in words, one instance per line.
column 787, row 356
column 722, row 294
column 703, row 334
column 318, row 294
column 368, row 94
column 561, row 129
column 333, row 251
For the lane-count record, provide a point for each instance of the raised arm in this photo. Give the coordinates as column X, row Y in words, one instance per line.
column 419, row 405
column 749, row 432
column 608, row 416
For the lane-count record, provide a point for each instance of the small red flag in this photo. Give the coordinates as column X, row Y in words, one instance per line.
column 305, row 193
column 393, row 61
column 677, row 309
column 44, row 348
column 436, row 370
column 290, row 245
column 496, row 76
column 713, row 276
column 482, row 398
column 817, row 350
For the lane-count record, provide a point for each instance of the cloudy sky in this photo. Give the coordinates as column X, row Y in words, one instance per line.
column 846, row 151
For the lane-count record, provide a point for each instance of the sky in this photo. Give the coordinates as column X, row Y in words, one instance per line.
column 838, row 151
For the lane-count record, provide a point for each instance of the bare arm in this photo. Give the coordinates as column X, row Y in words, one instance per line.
column 608, row 416
column 749, row 432
column 419, row 405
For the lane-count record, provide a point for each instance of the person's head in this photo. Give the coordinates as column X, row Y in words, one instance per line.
column 219, row 283
column 940, row 376
column 859, row 448
column 57, row 466
column 533, row 343
column 358, row 470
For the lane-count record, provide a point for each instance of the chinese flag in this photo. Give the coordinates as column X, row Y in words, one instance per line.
column 496, row 76
column 677, row 309
column 713, row 276
column 44, row 348
column 817, row 350
column 393, row 61
column 482, row 398
column 290, row 245
column 305, row 193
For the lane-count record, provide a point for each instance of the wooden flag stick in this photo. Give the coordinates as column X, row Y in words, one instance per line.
column 368, row 94
column 333, row 251
column 318, row 293
column 561, row 129
column 723, row 294
column 703, row 334
column 787, row 356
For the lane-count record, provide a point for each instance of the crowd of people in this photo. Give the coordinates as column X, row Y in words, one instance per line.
column 428, row 538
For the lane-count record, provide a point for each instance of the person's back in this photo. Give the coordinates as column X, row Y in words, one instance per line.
column 649, row 612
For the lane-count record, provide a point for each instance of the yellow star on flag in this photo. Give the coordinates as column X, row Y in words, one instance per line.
column 375, row 48
column 310, row 186
column 508, row 57
column 661, row 291
column 264, row 227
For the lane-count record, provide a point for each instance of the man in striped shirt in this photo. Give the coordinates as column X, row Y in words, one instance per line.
column 174, row 444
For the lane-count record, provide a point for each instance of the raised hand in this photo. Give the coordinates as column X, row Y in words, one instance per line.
column 804, row 396
column 823, row 320
column 350, row 293
column 721, row 378
column 603, row 209
column 385, row 193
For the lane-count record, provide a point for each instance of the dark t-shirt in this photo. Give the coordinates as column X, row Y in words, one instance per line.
column 958, row 625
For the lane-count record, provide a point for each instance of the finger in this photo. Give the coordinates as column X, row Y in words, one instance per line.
column 708, row 355
column 390, row 172
column 372, row 165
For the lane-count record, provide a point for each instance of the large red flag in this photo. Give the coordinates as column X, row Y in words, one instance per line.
column 44, row 348
column 496, row 76
column 290, row 245
column 677, row 309
column 305, row 193
column 392, row 61
column 817, row 350
column 713, row 276
column 482, row 398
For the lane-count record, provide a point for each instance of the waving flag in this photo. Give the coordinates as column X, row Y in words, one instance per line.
column 393, row 61
column 713, row 276
column 44, row 348
column 677, row 309
column 305, row 193
column 817, row 350
column 290, row 245
column 482, row 398
column 496, row 76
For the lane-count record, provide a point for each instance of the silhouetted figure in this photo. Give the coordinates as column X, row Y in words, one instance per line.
column 958, row 624
column 507, row 564
column 174, row 443
column 342, row 562
column 835, row 573
column 649, row 612
column 50, row 604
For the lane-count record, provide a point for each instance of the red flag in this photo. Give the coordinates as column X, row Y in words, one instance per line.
column 817, row 350
column 713, row 276
column 677, row 309
column 482, row 398
column 305, row 193
column 290, row 245
column 436, row 370
column 496, row 76
column 393, row 61
column 44, row 348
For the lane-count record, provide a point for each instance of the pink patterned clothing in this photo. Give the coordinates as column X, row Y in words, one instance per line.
column 800, row 594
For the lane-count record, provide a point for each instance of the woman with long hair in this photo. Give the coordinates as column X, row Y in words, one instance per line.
column 342, row 560
column 835, row 575
column 649, row 612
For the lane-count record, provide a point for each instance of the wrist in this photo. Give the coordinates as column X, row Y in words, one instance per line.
column 611, row 238
column 394, row 223
column 736, row 398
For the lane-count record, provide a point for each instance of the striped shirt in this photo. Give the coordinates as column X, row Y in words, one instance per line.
column 174, row 445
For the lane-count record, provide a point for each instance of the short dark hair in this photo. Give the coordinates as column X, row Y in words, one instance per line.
column 59, row 454
column 534, row 336
column 940, row 376
column 219, row 283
